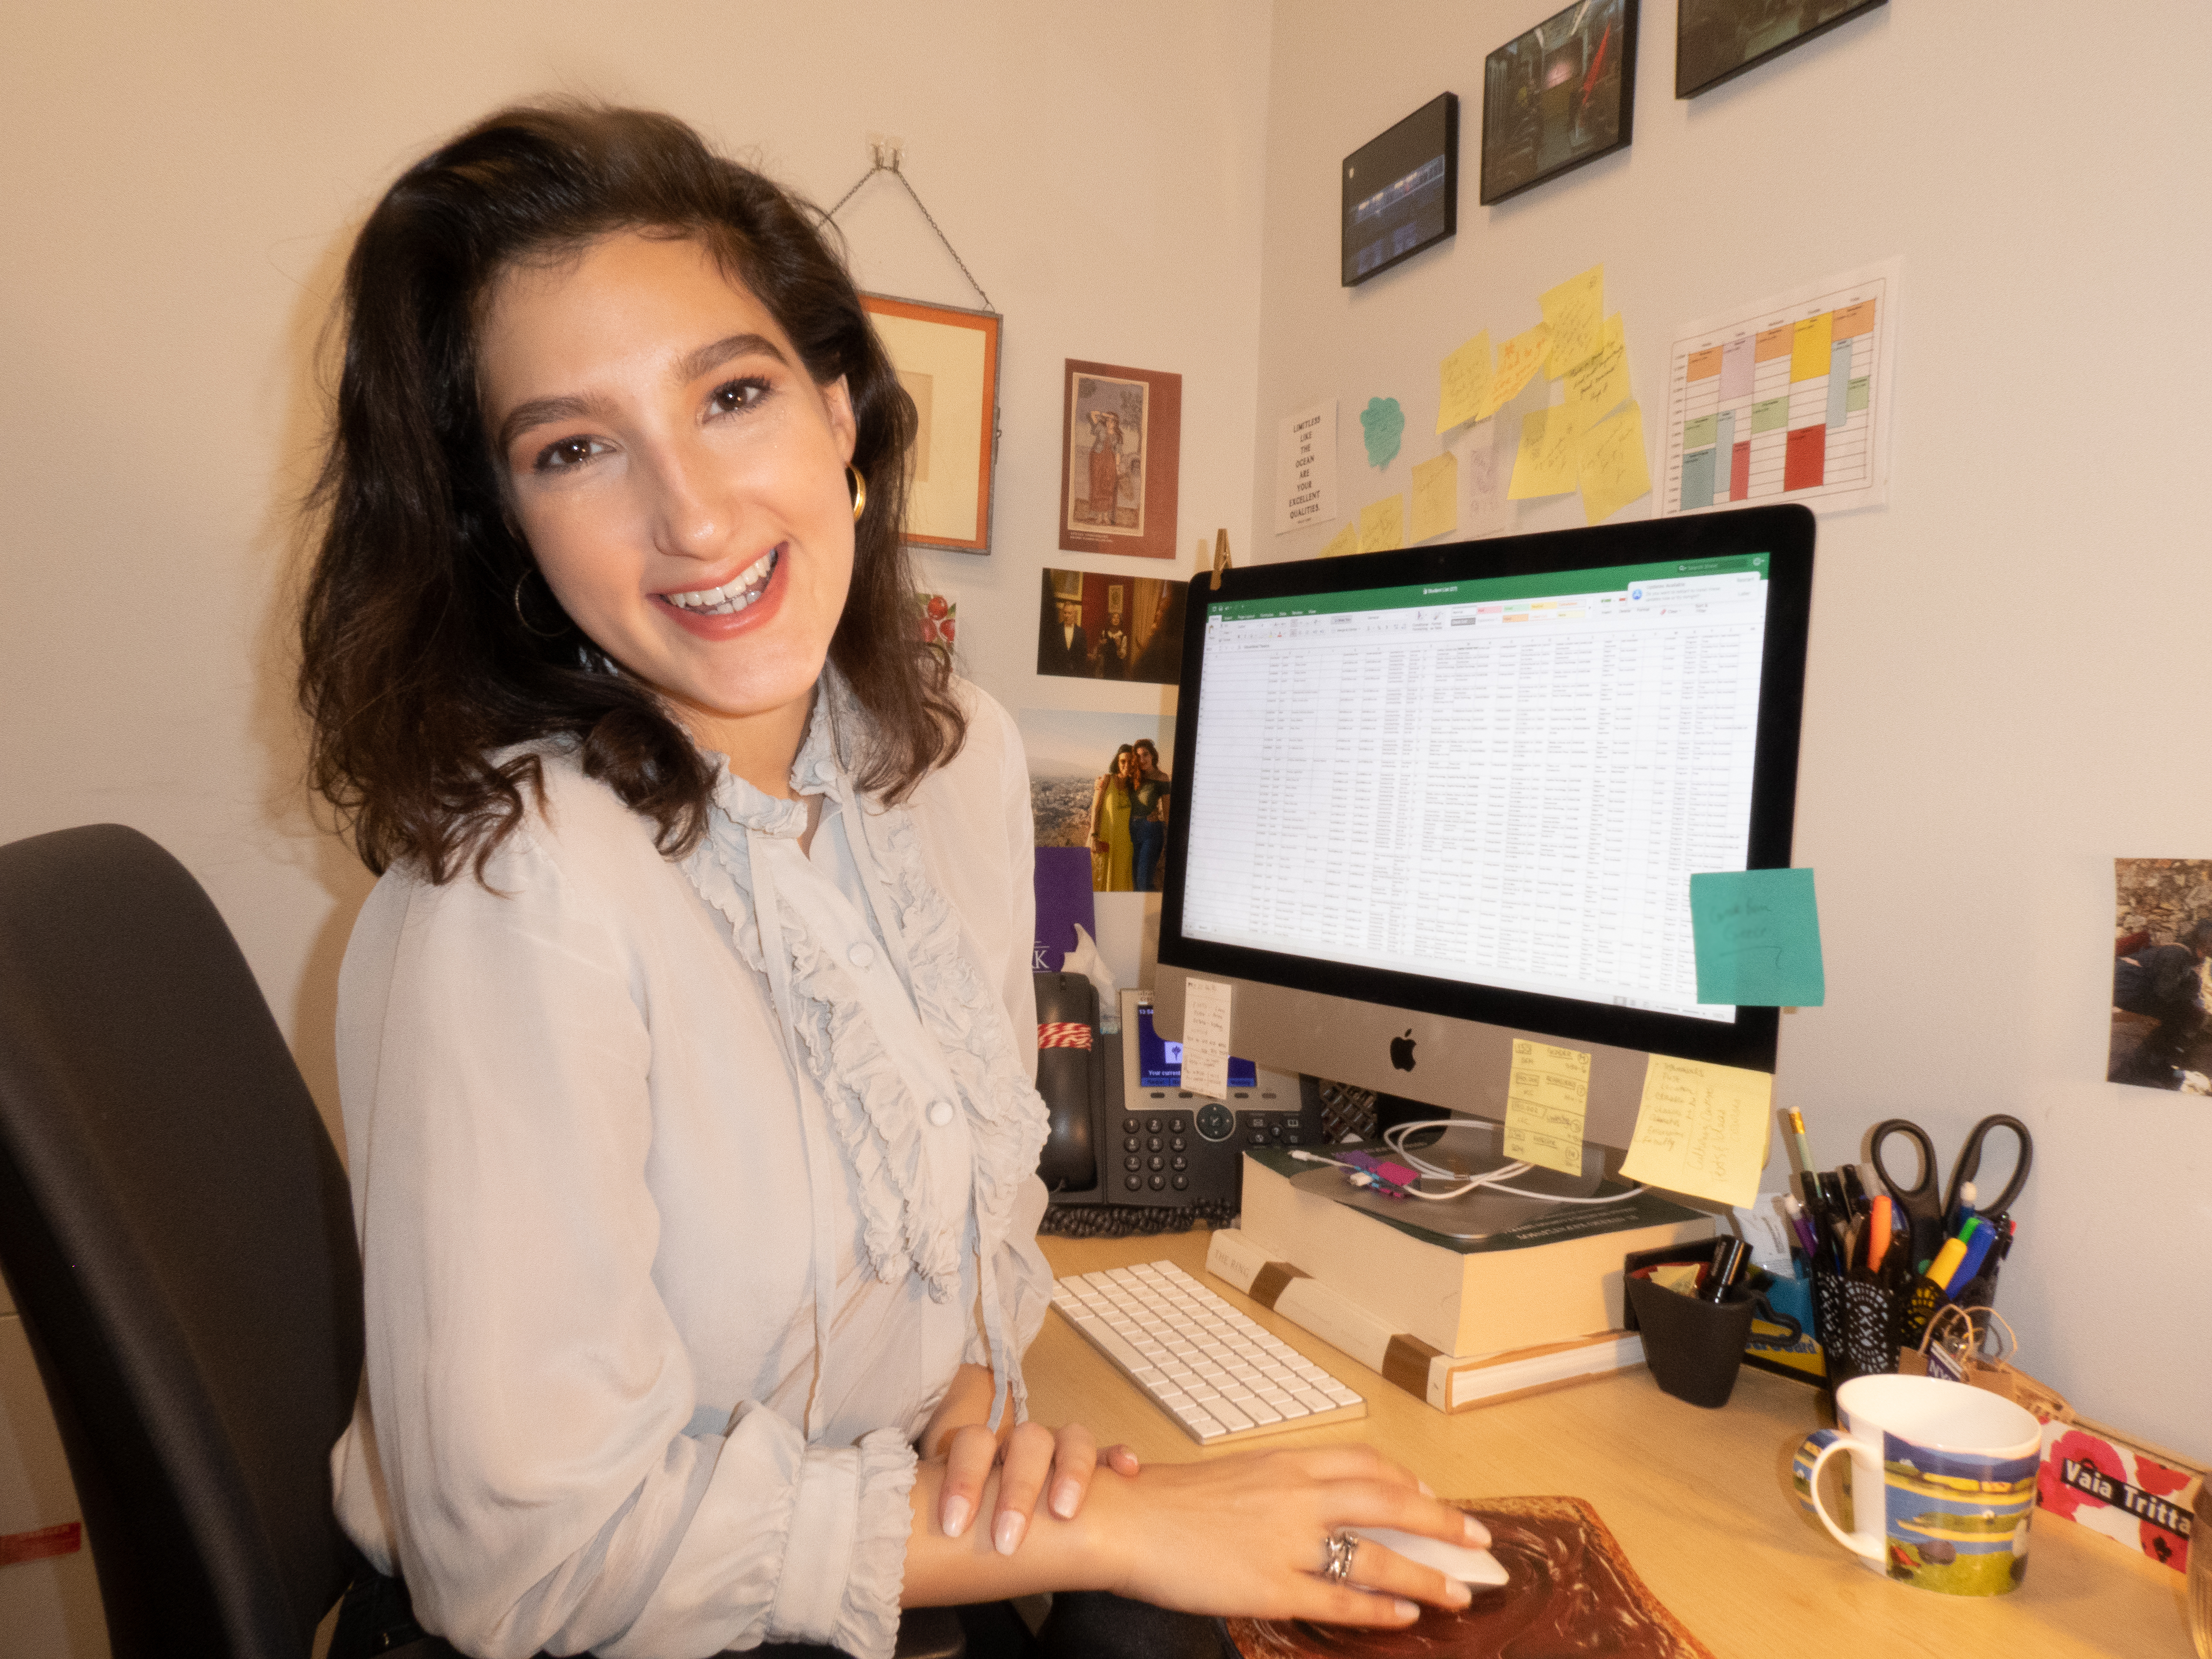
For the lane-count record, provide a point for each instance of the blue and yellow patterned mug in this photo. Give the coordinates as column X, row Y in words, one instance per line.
column 1942, row 1481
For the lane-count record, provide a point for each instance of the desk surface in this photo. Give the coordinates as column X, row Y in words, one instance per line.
column 1699, row 1499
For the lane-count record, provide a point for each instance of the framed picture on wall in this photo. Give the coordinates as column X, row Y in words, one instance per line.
column 1120, row 448
column 1715, row 40
column 1401, row 191
column 947, row 359
column 1093, row 626
column 1559, row 96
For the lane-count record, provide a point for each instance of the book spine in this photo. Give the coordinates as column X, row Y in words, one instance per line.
column 1402, row 1359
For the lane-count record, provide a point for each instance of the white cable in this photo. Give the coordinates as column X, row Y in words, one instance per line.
column 1494, row 1181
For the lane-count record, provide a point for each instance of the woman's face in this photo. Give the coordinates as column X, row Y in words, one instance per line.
column 677, row 474
column 1126, row 763
column 1147, row 760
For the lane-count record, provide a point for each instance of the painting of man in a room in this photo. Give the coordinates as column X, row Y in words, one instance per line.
column 2161, row 1034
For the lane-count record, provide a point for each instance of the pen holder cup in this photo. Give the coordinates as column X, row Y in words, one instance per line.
column 1860, row 1325
column 1925, row 1301
column 1694, row 1348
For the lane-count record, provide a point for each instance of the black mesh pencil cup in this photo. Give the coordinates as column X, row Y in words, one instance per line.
column 1861, row 1325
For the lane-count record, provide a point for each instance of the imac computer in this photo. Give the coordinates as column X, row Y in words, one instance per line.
column 1427, row 802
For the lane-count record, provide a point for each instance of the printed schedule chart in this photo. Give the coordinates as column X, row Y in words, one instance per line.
column 1787, row 400
column 1508, row 791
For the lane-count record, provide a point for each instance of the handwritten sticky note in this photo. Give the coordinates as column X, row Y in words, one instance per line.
column 1484, row 466
column 1436, row 497
column 1701, row 1129
column 1575, row 313
column 1518, row 359
column 1546, row 1095
column 1205, row 1037
column 1464, row 383
column 1616, row 332
column 1345, row 540
column 1600, row 382
column 1758, row 937
column 1383, row 525
column 1382, row 423
column 1547, row 463
column 1610, row 467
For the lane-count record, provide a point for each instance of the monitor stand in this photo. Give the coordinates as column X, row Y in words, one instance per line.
column 1475, row 1145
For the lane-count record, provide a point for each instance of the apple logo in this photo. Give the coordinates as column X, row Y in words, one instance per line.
column 1402, row 1051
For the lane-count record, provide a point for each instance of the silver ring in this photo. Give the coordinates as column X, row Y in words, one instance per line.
column 1341, row 1546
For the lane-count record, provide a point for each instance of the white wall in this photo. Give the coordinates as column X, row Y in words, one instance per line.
column 184, row 184
column 2005, row 689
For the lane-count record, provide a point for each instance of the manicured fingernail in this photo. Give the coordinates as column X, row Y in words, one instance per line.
column 957, row 1511
column 1008, row 1533
column 1064, row 1497
column 1427, row 1490
column 1458, row 1593
column 1405, row 1609
column 1477, row 1533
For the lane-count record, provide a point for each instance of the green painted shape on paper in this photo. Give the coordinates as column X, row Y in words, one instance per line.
column 1855, row 399
column 1384, row 424
column 1772, row 416
column 1701, row 434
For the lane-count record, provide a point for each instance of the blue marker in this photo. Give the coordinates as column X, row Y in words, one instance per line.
column 1977, row 1250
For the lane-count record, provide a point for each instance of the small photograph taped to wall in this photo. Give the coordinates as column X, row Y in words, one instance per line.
column 1717, row 40
column 1559, row 96
column 2162, row 941
column 1093, row 626
column 1072, row 755
column 1120, row 448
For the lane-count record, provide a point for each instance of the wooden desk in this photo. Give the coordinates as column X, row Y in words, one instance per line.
column 1699, row 1499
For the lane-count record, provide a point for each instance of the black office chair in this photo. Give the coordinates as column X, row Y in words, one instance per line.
column 176, row 1231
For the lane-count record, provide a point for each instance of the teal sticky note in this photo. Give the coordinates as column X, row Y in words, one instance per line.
column 1382, row 423
column 1757, row 935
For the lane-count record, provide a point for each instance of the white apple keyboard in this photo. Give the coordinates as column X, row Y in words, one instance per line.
column 1460, row 1561
column 1216, row 1372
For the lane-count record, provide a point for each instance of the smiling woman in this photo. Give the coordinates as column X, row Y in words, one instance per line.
column 686, row 1044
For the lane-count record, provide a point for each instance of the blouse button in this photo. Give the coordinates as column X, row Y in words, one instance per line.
column 940, row 1112
column 861, row 955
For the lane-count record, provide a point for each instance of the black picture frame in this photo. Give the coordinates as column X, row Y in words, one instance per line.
column 1401, row 191
column 1558, row 96
column 1717, row 40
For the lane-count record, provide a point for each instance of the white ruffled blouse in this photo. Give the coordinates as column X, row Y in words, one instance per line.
column 672, row 1242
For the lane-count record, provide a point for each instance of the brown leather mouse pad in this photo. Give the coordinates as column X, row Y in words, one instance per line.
column 1571, row 1592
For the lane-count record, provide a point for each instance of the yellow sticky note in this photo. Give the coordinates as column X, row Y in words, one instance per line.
column 1546, row 465
column 1599, row 384
column 1345, row 540
column 1546, row 1098
column 1435, row 496
column 1701, row 1129
column 1616, row 333
column 1464, row 383
column 1610, row 465
column 1809, row 346
column 1575, row 313
column 1518, row 360
column 1383, row 525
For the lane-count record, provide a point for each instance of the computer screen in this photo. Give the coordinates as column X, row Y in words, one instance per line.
column 1473, row 780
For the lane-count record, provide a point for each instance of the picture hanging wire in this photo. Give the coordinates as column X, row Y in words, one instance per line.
column 891, row 161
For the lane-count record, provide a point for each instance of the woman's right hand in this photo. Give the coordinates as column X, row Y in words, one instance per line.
column 1247, row 1536
column 1099, row 844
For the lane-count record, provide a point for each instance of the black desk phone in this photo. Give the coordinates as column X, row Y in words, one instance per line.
column 1125, row 1131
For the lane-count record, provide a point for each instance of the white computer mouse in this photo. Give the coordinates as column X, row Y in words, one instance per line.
column 1460, row 1561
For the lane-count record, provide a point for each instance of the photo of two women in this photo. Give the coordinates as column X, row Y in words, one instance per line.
column 1130, row 822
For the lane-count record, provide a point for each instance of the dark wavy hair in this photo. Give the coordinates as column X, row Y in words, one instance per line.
column 417, row 665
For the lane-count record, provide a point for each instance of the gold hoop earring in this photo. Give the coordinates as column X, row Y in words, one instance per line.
column 536, row 633
column 858, row 486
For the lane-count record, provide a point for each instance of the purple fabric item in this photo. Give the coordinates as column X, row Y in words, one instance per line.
column 1063, row 899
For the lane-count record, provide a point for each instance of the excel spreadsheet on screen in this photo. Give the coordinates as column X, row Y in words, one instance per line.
column 1502, row 782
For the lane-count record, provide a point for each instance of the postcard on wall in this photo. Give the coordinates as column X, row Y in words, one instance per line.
column 1096, row 627
column 1069, row 751
column 947, row 360
column 1120, row 448
column 1306, row 468
column 2162, row 941
column 1788, row 399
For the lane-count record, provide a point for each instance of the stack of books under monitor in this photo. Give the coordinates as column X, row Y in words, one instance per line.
column 1457, row 1322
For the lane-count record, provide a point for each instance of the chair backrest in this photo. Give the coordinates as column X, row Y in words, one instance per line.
column 175, row 1227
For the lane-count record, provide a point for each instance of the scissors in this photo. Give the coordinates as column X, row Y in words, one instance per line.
column 1930, row 1212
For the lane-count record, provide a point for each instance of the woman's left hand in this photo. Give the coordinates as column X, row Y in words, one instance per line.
column 1032, row 1459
